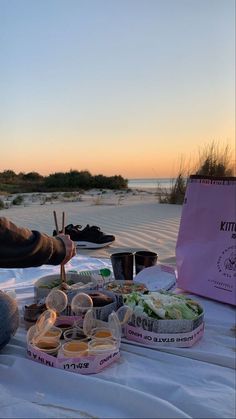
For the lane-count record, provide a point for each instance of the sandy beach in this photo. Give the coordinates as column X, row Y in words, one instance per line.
column 136, row 219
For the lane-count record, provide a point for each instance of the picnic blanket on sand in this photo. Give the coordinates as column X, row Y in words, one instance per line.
column 143, row 383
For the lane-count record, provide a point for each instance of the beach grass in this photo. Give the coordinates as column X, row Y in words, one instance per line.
column 213, row 160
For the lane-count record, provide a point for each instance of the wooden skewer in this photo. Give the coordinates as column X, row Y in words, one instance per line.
column 55, row 219
column 63, row 222
column 62, row 269
column 63, row 272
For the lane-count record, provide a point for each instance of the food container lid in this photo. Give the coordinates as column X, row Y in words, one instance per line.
column 90, row 322
column 102, row 347
column 114, row 326
column 81, row 303
column 43, row 324
column 105, row 272
column 124, row 313
column 56, row 300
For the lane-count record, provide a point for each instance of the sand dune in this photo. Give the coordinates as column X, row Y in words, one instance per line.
column 138, row 221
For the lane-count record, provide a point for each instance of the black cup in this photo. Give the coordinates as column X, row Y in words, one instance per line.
column 144, row 259
column 122, row 264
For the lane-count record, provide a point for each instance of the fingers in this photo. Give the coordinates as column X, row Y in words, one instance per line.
column 69, row 248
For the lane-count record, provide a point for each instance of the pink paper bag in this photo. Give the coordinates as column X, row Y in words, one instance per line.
column 206, row 244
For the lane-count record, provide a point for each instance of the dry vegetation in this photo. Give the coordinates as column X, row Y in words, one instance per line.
column 213, row 161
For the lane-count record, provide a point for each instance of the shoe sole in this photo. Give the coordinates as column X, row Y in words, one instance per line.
column 89, row 245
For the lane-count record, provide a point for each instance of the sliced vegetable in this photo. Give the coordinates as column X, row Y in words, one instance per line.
column 163, row 305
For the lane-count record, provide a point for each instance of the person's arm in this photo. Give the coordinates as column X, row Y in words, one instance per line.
column 23, row 248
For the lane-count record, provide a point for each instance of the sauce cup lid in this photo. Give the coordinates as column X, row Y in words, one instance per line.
column 114, row 326
column 90, row 322
column 43, row 324
column 102, row 347
column 81, row 303
column 56, row 300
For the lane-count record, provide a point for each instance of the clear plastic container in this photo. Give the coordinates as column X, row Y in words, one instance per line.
column 48, row 346
column 53, row 332
column 74, row 348
column 74, row 334
column 101, row 333
column 63, row 326
column 101, row 347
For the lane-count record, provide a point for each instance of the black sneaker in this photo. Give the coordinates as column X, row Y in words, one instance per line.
column 91, row 237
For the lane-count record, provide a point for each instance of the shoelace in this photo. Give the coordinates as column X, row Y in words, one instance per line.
column 77, row 227
column 95, row 229
column 88, row 227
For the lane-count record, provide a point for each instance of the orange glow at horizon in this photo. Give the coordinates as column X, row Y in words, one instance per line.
column 146, row 160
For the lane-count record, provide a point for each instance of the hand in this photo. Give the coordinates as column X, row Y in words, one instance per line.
column 69, row 246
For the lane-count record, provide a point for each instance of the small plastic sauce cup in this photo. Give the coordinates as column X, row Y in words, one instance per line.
column 48, row 346
column 100, row 333
column 64, row 327
column 53, row 332
column 99, row 347
column 74, row 348
column 74, row 334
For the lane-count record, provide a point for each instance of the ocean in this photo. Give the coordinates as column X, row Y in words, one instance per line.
column 151, row 183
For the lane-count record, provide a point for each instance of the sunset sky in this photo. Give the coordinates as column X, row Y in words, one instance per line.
column 114, row 86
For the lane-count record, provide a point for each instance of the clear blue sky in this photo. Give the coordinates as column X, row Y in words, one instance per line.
column 114, row 86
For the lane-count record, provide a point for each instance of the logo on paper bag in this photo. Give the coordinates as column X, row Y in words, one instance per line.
column 226, row 263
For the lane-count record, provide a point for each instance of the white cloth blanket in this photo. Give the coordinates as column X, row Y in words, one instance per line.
column 196, row 382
